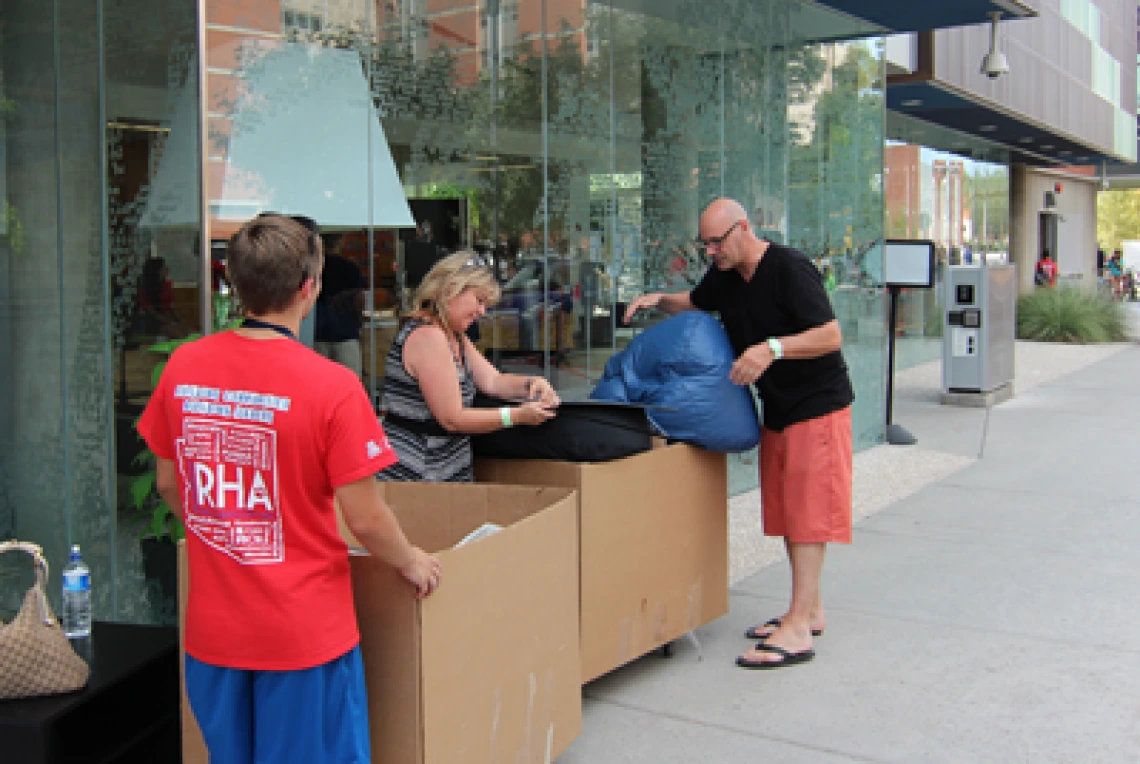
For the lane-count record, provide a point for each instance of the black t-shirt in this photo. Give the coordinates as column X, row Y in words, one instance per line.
column 785, row 296
column 337, row 322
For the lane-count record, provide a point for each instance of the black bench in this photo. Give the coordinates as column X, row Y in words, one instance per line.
column 129, row 711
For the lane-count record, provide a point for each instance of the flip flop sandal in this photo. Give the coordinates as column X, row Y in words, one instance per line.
column 786, row 658
column 775, row 624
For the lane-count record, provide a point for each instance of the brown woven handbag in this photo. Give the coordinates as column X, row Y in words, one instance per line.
column 35, row 656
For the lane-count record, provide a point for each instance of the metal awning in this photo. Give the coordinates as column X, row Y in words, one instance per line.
column 909, row 16
column 1027, row 141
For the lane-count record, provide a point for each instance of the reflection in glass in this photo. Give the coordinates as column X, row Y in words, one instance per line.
column 93, row 274
column 959, row 203
column 574, row 145
column 154, row 266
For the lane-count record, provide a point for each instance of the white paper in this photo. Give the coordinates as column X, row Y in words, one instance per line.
column 484, row 530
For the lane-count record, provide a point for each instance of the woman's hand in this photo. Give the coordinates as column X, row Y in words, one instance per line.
column 539, row 389
column 532, row 413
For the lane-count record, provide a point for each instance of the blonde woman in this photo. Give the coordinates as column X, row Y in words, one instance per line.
column 434, row 371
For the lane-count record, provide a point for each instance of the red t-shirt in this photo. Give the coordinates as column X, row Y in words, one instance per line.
column 262, row 432
column 165, row 298
column 1048, row 269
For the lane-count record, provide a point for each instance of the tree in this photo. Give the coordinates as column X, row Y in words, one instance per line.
column 835, row 190
column 1117, row 217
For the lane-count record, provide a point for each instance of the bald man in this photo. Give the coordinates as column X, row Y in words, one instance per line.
column 773, row 304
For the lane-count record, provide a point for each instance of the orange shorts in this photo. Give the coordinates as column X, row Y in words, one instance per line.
column 805, row 480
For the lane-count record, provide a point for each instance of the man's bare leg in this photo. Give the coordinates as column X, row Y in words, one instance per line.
column 794, row 632
column 817, row 618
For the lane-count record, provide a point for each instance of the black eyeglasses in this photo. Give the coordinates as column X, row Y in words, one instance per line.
column 717, row 240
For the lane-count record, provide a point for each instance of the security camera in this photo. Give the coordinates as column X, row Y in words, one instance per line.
column 995, row 63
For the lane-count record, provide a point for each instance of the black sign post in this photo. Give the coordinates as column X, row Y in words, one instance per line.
column 907, row 264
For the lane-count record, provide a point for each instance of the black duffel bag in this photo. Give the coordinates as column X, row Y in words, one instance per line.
column 582, row 431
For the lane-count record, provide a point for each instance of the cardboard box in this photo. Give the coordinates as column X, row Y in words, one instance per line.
column 654, row 545
column 505, row 330
column 498, row 330
column 486, row 670
column 382, row 332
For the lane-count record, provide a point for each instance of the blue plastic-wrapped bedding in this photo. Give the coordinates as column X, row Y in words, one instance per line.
column 682, row 366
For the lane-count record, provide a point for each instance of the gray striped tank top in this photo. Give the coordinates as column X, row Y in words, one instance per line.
column 432, row 458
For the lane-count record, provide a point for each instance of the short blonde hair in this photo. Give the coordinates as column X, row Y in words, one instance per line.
column 447, row 279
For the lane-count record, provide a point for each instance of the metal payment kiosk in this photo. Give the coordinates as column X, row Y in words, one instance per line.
column 979, row 331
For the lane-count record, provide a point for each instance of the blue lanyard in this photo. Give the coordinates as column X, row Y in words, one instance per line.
column 253, row 323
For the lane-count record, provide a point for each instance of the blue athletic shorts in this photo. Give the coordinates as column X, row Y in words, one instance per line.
column 311, row 716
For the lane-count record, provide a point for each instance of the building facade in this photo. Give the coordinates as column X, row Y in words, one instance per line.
column 573, row 142
column 1032, row 146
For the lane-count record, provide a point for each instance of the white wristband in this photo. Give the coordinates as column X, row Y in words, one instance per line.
column 777, row 348
column 505, row 416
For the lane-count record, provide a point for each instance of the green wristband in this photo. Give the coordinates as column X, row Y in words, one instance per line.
column 505, row 415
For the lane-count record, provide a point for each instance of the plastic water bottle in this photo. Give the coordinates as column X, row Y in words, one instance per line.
column 76, row 620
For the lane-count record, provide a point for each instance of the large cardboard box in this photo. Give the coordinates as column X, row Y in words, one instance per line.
column 382, row 333
column 654, row 545
column 486, row 670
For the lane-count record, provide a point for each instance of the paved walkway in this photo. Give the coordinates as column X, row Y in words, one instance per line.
column 987, row 611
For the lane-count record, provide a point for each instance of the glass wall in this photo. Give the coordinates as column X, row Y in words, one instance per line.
column 572, row 142
column 956, row 195
column 93, row 276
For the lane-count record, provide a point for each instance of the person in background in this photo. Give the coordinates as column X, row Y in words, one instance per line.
column 434, row 371
column 156, row 301
column 1046, row 270
column 340, row 313
column 779, row 319
column 273, row 666
column 1115, row 270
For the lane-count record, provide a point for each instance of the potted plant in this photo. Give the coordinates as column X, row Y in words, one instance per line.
column 159, row 528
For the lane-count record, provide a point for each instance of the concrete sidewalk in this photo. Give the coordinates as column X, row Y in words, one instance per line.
column 987, row 611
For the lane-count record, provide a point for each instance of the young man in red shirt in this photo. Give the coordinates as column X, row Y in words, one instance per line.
column 255, row 435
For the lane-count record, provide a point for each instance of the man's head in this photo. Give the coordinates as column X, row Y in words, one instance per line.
column 726, row 235
column 1046, row 255
column 273, row 261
